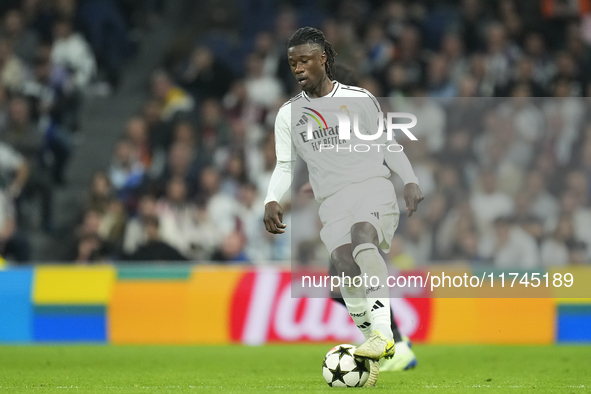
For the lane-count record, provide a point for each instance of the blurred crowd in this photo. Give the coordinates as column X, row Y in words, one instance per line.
column 506, row 180
column 508, row 185
column 53, row 55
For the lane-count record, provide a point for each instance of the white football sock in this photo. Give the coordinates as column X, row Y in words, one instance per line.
column 372, row 264
column 354, row 297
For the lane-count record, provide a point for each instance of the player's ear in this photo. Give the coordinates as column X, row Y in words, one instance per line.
column 323, row 58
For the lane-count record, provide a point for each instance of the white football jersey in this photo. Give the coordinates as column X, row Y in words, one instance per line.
column 333, row 163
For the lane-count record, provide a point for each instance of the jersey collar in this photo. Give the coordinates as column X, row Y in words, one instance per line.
column 335, row 87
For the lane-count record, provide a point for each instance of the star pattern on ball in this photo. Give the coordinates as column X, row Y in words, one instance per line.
column 343, row 351
column 359, row 365
column 337, row 374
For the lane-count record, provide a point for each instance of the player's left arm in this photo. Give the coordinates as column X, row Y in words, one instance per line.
column 398, row 163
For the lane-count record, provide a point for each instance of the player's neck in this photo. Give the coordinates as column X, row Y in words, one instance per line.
column 322, row 89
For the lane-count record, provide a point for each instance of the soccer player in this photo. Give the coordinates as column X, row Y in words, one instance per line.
column 358, row 207
column 404, row 358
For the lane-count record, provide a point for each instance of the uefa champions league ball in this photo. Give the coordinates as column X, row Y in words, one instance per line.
column 341, row 369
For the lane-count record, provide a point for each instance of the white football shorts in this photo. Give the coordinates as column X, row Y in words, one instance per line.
column 372, row 201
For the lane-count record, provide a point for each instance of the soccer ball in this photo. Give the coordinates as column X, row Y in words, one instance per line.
column 341, row 369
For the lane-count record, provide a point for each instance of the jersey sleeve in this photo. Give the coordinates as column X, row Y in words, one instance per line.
column 398, row 163
column 280, row 182
column 373, row 118
column 286, row 156
column 284, row 148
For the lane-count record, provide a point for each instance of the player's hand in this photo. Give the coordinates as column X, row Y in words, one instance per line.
column 273, row 218
column 412, row 196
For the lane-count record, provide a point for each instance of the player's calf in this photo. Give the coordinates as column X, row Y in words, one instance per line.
column 353, row 289
column 343, row 261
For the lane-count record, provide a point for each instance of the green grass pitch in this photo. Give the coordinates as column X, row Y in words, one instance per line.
column 285, row 369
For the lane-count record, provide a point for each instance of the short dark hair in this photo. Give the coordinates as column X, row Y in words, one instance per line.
column 310, row 35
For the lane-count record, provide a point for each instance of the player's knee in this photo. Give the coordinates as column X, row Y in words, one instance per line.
column 363, row 233
column 343, row 261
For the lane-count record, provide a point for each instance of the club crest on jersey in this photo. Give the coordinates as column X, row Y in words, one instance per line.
column 344, row 109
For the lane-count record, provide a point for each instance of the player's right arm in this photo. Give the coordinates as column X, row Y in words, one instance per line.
column 281, row 177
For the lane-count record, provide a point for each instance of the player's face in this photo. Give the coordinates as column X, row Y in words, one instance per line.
column 307, row 65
